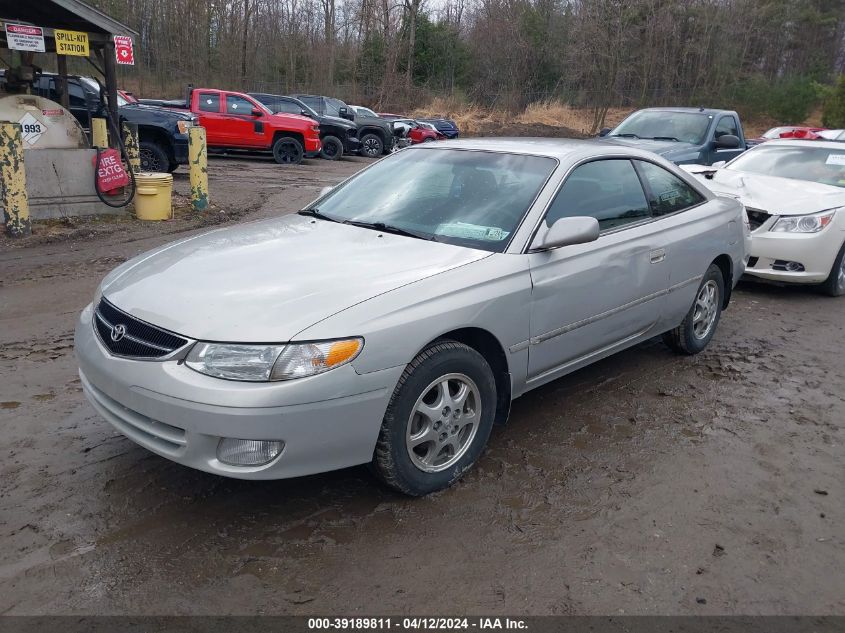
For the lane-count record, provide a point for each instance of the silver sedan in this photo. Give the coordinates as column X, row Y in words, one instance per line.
column 393, row 321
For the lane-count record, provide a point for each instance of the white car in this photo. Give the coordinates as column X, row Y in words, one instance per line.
column 794, row 194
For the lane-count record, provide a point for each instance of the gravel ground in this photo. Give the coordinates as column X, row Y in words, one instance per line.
column 645, row 484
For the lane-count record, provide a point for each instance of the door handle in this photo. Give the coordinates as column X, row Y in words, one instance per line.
column 657, row 256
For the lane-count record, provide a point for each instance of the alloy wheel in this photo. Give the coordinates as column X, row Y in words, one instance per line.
column 150, row 162
column 443, row 422
column 706, row 309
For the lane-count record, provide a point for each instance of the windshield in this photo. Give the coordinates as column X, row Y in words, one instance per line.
column 93, row 85
column 816, row 164
column 775, row 132
column 469, row 198
column 365, row 112
column 689, row 127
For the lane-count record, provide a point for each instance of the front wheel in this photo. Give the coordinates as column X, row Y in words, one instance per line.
column 438, row 419
column 699, row 326
column 371, row 146
column 835, row 284
column 153, row 157
column 288, row 151
column 332, row 148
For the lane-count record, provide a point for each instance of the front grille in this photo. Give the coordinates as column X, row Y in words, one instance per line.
column 139, row 339
column 756, row 218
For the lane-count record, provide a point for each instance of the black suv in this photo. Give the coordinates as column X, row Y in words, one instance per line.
column 338, row 136
column 375, row 133
column 162, row 133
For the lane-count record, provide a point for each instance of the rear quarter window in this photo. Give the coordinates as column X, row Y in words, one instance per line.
column 209, row 102
column 667, row 193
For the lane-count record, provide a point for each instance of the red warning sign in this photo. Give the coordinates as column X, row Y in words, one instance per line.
column 123, row 50
column 110, row 174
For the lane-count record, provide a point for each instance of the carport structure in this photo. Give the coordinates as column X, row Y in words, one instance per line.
column 72, row 15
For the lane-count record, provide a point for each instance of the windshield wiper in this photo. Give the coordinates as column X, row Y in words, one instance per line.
column 664, row 138
column 314, row 212
column 626, row 135
column 388, row 228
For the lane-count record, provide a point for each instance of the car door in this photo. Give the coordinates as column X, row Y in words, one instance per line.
column 588, row 299
column 244, row 128
column 727, row 124
column 691, row 234
column 212, row 119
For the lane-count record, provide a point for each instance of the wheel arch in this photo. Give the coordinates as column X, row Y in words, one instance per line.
column 726, row 265
column 284, row 133
column 486, row 344
column 153, row 134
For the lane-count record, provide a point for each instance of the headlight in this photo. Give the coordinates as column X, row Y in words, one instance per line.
column 183, row 126
column 261, row 363
column 803, row 223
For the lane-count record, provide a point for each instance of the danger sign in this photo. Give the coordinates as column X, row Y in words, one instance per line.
column 123, row 50
column 22, row 37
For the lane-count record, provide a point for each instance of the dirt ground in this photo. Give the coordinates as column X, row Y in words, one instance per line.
column 646, row 484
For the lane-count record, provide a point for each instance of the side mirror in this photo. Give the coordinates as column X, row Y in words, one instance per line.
column 604, row 131
column 728, row 141
column 303, row 112
column 344, row 113
column 718, row 164
column 256, row 112
column 567, row 232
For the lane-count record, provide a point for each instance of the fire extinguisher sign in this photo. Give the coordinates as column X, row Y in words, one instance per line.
column 123, row 50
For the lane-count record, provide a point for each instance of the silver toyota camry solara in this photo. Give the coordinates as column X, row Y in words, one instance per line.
column 392, row 321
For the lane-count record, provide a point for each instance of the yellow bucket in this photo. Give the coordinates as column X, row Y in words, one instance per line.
column 152, row 196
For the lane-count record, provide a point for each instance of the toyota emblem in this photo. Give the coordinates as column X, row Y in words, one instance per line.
column 118, row 332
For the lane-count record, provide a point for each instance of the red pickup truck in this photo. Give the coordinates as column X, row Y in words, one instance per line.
column 235, row 121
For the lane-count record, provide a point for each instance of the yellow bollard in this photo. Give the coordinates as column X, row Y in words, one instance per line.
column 198, row 166
column 13, row 178
column 99, row 133
column 130, row 142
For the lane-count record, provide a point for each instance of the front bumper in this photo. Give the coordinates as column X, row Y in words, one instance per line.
column 180, row 149
column 816, row 252
column 326, row 422
column 312, row 147
column 351, row 144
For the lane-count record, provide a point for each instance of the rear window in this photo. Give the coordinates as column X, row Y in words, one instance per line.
column 209, row 102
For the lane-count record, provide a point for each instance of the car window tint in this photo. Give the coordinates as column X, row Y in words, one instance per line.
column 209, row 102
column 726, row 125
column 288, row 107
column 76, row 96
column 608, row 190
column 238, row 105
column 668, row 193
column 333, row 106
column 313, row 102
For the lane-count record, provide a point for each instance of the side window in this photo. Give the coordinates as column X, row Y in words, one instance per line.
column 238, row 105
column 608, row 190
column 209, row 102
column 333, row 107
column 726, row 125
column 667, row 193
column 314, row 102
column 288, row 107
column 76, row 96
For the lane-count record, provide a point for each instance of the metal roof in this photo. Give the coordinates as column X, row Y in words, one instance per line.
column 74, row 15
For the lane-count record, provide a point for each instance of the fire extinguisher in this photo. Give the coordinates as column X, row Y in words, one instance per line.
column 108, row 171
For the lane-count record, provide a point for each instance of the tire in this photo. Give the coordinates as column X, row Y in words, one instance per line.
column 153, row 157
column 371, row 146
column 332, row 148
column 835, row 283
column 457, row 436
column 172, row 167
column 288, row 151
column 697, row 329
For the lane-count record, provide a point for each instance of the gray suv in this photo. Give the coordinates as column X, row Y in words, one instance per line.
column 376, row 134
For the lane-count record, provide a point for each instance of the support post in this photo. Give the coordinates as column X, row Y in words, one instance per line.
column 110, row 66
column 13, row 177
column 130, row 142
column 99, row 133
column 64, row 96
column 198, row 166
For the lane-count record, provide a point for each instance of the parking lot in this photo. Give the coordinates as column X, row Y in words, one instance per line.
column 646, row 483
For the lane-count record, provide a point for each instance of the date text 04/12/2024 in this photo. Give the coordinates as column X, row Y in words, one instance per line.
column 418, row 623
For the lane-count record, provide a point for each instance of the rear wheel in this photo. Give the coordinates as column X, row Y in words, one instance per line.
column 699, row 326
column 288, row 151
column 153, row 157
column 371, row 146
column 332, row 148
column 438, row 419
column 835, row 284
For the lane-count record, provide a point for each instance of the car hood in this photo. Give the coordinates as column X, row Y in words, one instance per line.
column 296, row 117
column 267, row 281
column 169, row 113
column 663, row 148
column 336, row 120
column 775, row 195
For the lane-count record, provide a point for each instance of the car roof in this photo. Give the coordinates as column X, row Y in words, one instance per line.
column 559, row 148
column 710, row 111
column 793, row 142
